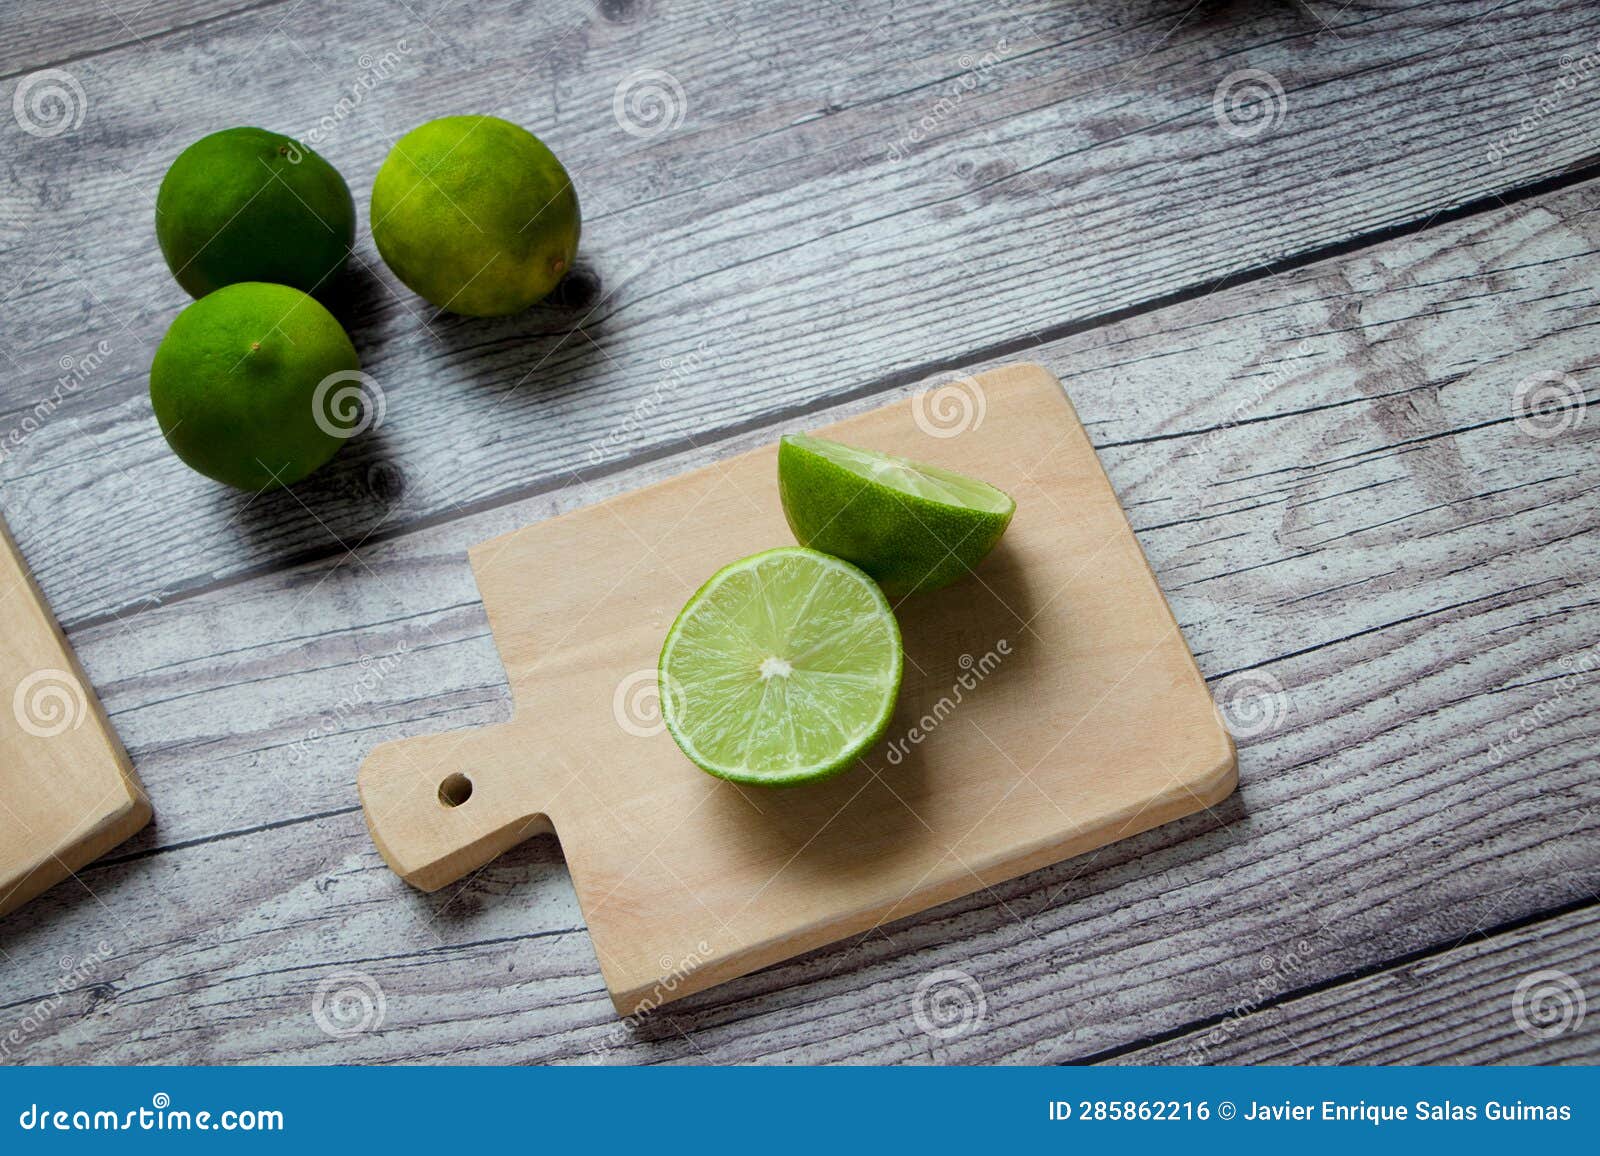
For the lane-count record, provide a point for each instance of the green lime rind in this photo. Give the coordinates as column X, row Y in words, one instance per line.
column 234, row 384
column 783, row 669
column 914, row 527
column 246, row 204
column 476, row 215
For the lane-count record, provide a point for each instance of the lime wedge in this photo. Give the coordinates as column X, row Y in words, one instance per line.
column 782, row 669
column 913, row 527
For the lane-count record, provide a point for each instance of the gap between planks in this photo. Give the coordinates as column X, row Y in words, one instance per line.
column 1588, row 170
column 1343, row 979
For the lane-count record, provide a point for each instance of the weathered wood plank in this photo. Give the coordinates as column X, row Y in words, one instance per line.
column 1514, row 998
column 1329, row 481
column 41, row 35
column 787, row 244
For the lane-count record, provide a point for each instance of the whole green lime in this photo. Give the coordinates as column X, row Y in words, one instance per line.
column 475, row 214
column 249, row 382
column 245, row 204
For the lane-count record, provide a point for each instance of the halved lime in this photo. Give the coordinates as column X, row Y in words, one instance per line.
column 782, row 669
column 913, row 527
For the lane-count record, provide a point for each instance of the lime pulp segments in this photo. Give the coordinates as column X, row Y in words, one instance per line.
column 782, row 669
column 913, row 527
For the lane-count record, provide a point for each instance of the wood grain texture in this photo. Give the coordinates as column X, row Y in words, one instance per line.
column 68, row 793
column 1048, row 706
column 42, row 36
column 847, row 202
column 1326, row 473
column 1460, row 1006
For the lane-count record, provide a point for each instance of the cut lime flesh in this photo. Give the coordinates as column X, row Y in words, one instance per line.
column 914, row 527
column 782, row 669
column 915, row 479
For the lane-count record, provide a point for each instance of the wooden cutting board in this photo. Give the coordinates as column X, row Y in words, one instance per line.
column 1049, row 706
column 68, row 793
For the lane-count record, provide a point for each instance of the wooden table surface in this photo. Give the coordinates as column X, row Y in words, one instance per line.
column 1320, row 278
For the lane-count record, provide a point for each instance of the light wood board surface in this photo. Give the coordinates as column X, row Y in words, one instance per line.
column 1049, row 706
column 68, row 793
column 1361, row 519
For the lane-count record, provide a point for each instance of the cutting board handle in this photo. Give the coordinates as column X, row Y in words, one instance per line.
column 441, row 806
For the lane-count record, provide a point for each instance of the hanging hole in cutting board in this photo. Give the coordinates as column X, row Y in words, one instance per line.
column 455, row 790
